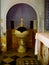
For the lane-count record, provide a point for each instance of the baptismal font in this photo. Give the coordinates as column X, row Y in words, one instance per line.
column 21, row 32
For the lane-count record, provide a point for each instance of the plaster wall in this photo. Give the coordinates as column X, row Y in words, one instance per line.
column 0, row 9
column 38, row 6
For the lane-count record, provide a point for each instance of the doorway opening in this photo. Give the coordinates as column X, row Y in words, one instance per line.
column 13, row 17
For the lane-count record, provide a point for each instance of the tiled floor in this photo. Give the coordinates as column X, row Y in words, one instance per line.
column 15, row 58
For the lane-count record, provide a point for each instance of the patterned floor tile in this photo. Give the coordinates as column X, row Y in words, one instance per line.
column 6, row 64
column 8, row 60
column 26, row 61
column 27, row 56
column 5, row 57
column 15, row 58
column 13, row 63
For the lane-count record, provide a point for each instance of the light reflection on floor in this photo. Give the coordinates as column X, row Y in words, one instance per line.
column 14, row 58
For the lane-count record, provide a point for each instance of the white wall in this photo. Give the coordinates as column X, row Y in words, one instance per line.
column 0, row 8
column 38, row 5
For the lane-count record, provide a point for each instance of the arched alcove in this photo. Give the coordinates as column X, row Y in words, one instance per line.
column 14, row 16
column 19, row 11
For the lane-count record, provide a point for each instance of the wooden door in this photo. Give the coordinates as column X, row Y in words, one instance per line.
column 9, row 39
column 9, row 35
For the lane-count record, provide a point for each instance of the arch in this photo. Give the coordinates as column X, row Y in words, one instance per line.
column 19, row 12
column 34, row 7
column 19, row 4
